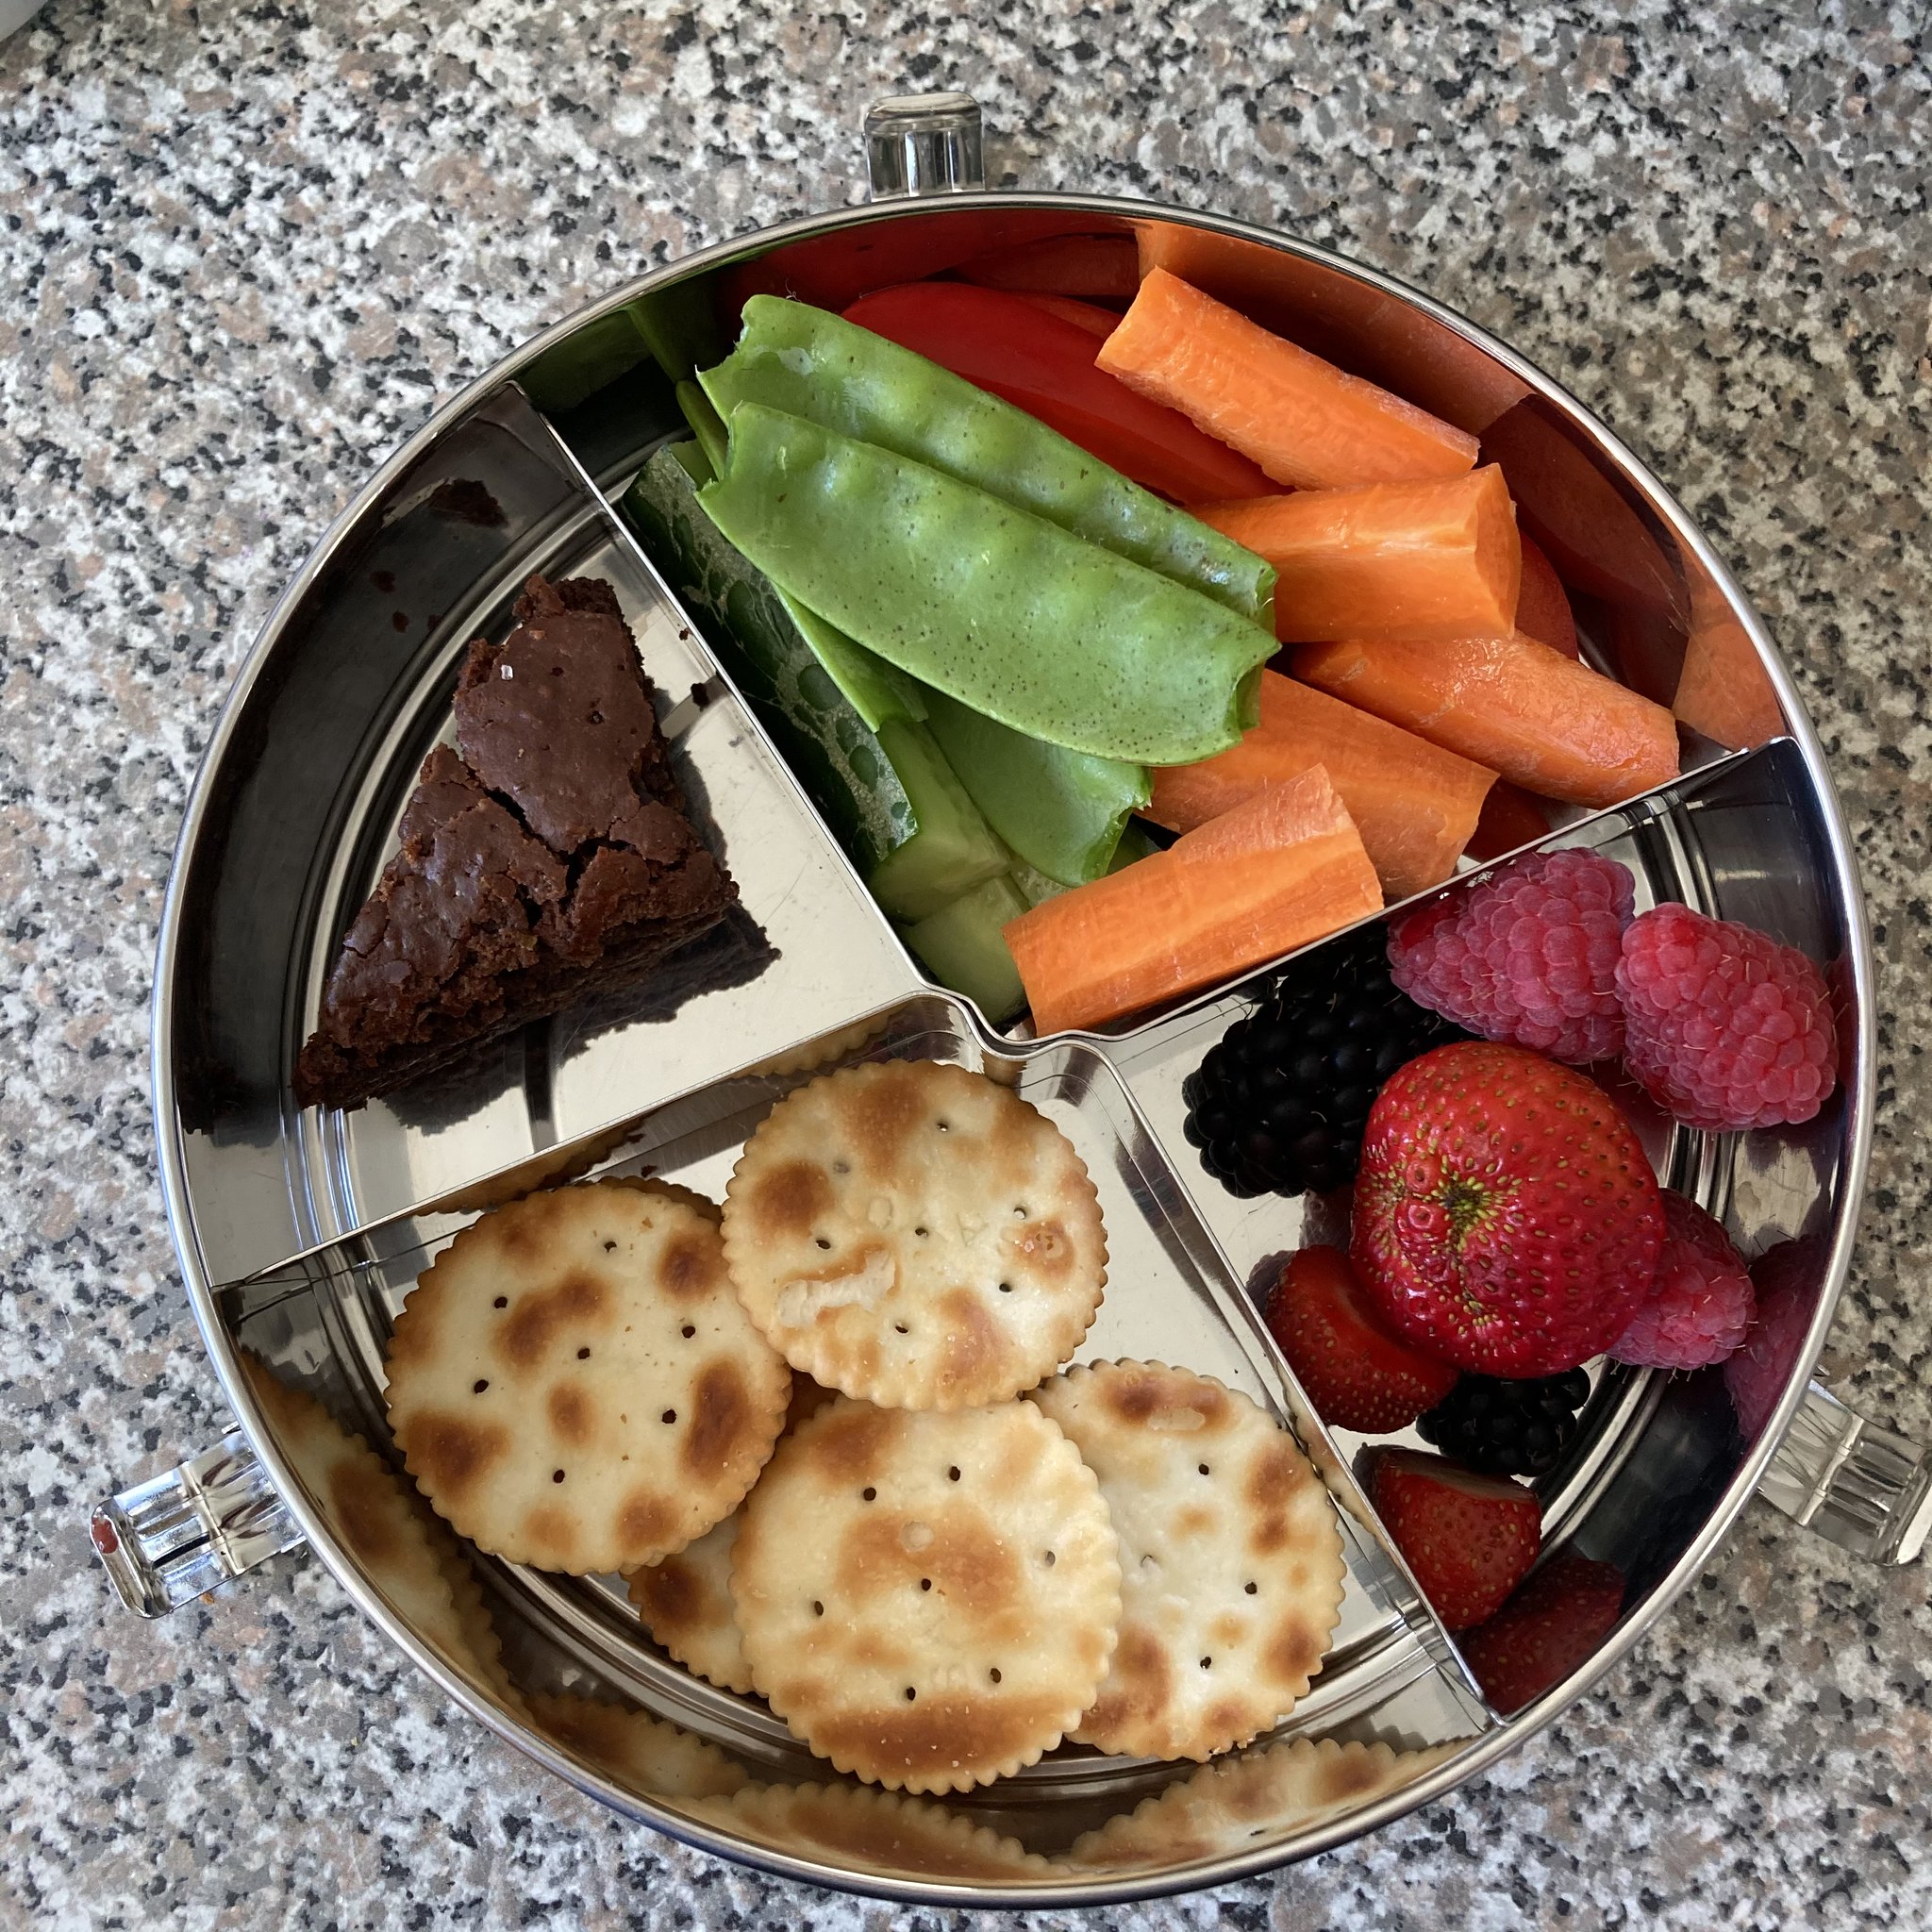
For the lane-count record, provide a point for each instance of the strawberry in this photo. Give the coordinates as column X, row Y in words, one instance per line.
column 1546, row 1630
column 1356, row 1373
column 1468, row 1539
column 1505, row 1219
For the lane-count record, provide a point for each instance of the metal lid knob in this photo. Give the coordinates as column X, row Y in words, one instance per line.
column 924, row 144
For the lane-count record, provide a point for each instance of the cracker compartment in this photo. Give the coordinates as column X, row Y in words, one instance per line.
column 1170, row 1296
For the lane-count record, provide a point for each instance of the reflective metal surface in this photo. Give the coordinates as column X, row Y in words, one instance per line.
column 924, row 144
column 296, row 812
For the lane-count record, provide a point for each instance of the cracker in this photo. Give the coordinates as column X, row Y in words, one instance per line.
column 684, row 1600
column 668, row 1190
column 808, row 1056
column 1236, row 1804
column 927, row 1599
column 877, row 1832
column 551, row 1168
column 573, row 1385
column 405, row 1552
column 1231, row 1556
column 916, row 1236
column 641, row 1753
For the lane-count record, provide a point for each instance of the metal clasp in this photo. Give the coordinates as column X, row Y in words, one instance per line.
column 1858, row 1485
column 170, row 1539
column 918, row 145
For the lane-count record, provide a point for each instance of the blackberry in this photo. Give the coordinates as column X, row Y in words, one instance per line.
column 1280, row 1101
column 1508, row 1428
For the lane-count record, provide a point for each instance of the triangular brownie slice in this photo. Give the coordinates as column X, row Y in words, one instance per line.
column 547, row 858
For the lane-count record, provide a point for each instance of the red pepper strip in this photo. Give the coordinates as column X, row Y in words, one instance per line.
column 1061, row 265
column 1096, row 321
column 1004, row 344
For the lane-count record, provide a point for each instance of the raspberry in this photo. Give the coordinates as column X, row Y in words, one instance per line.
column 1529, row 956
column 1786, row 1279
column 1723, row 1027
column 1701, row 1303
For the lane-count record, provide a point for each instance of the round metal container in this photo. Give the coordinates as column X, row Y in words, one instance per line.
column 298, row 1233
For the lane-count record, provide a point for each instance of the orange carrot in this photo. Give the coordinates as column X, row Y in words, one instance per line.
column 1724, row 691
column 1554, row 727
column 1510, row 817
column 1280, row 869
column 1542, row 608
column 1432, row 559
column 1300, row 418
column 1415, row 805
column 1090, row 316
column 1378, row 335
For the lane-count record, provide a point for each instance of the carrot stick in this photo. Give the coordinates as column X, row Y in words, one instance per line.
column 1300, row 418
column 1553, row 727
column 1724, row 691
column 1542, row 607
column 1280, row 869
column 1415, row 805
column 1432, row 559
column 1510, row 817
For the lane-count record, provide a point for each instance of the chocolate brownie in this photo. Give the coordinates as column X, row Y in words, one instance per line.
column 546, row 857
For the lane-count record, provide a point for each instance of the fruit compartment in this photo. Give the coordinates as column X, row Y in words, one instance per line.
column 1654, row 1451
column 323, row 1323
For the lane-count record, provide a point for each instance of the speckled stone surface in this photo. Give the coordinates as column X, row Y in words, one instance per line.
column 244, row 248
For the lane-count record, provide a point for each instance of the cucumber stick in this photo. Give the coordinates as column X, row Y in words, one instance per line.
column 961, row 947
column 889, row 796
column 954, row 848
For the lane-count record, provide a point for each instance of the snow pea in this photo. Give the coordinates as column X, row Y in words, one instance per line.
column 809, row 363
column 1062, row 811
column 1008, row 613
column 885, row 790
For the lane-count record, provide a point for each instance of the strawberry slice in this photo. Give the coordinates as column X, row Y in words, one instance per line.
column 1358, row 1373
column 1468, row 1539
column 1546, row 1630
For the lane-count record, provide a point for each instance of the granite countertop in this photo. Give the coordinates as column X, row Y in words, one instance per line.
column 245, row 248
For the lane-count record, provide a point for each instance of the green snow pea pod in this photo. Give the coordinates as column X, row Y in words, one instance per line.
column 878, row 693
column 1011, row 614
column 887, row 792
column 1062, row 811
column 806, row 362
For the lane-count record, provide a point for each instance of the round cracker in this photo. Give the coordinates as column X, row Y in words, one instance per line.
column 404, row 1551
column 1230, row 1557
column 927, row 1599
column 808, row 1056
column 667, row 1190
column 684, row 1600
column 573, row 1385
column 916, row 1236
column 1230, row 1806
column 879, row 1832
column 637, row 1750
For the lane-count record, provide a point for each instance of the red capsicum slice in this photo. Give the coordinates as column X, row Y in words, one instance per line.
column 1044, row 365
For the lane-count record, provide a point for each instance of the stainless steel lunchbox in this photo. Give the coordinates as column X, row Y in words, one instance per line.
column 299, row 1232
